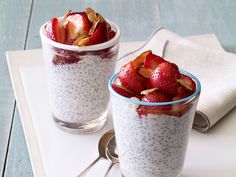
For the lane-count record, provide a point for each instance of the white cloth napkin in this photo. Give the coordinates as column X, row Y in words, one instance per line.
column 216, row 71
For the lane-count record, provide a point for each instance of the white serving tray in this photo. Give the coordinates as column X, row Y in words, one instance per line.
column 54, row 153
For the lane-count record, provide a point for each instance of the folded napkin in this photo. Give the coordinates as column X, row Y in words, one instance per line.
column 216, row 71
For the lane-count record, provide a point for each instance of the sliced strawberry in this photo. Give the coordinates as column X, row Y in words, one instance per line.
column 99, row 35
column 130, row 79
column 110, row 34
column 187, row 82
column 55, row 30
column 147, row 84
column 182, row 92
column 77, row 24
column 164, row 77
column 139, row 60
column 152, row 61
column 122, row 91
column 179, row 109
column 154, row 97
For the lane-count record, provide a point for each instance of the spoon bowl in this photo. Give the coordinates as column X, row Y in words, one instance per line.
column 102, row 146
column 111, row 154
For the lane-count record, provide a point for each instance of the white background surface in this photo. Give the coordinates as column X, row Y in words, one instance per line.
column 55, row 153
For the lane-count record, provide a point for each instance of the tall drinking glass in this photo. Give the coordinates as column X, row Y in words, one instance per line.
column 77, row 81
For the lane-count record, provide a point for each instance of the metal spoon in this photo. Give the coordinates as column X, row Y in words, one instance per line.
column 111, row 154
column 102, row 145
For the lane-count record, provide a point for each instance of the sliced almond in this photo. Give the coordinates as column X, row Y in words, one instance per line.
column 145, row 72
column 66, row 15
column 91, row 14
column 94, row 26
column 185, row 84
column 89, row 10
column 124, row 88
column 81, row 41
column 145, row 92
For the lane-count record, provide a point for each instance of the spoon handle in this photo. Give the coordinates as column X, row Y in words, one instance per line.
column 109, row 169
column 87, row 169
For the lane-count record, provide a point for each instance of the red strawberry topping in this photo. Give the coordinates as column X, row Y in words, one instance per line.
column 55, row 30
column 156, row 96
column 147, row 84
column 139, row 60
column 110, row 34
column 130, row 79
column 100, row 34
column 164, row 77
column 77, row 24
column 187, row 82
column 153, row 79
column 122, row 90
column 152, row 61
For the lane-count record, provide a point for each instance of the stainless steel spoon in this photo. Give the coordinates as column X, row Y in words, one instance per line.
column 111, row 154
column 102, row 145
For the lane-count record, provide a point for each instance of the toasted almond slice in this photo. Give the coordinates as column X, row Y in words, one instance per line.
column 81, row 41
column 145, row 92
column 94, row 26
column 89, row 10
column 145, row 72
column 185, row 84
column 124, row 88
column 91, row 14
column 66, row 15
column 92, row 17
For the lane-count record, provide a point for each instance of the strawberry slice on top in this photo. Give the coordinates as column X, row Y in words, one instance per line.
column 122, row 90
column 187, row 82
column 130, row 79
column 55, row 30
column 164, row 77
column 77, row 24
column 156, row 96
column 99, row 35
column 152, row 61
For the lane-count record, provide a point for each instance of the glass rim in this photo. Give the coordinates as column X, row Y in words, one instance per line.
column 95, row 47
column 137, row 102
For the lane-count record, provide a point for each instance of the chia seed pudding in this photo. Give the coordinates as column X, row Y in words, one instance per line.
column 153, row 106
column 80, row 51
column 151, row 146
column 79, row 91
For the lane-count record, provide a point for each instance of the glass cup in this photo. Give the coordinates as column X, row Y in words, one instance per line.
column 152, row 137
column 77, row 82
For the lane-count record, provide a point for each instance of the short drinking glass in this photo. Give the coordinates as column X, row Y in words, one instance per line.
column 152, row 137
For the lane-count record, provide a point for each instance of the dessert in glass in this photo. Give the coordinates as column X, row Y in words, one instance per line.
column 80, row 51
column 153, row 105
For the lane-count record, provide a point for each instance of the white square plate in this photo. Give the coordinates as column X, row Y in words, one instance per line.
column 54, row 153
